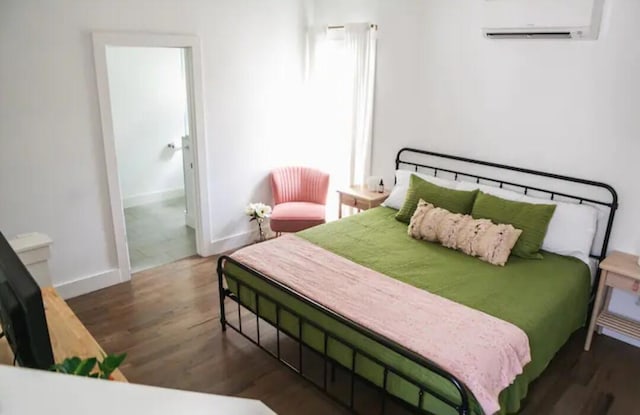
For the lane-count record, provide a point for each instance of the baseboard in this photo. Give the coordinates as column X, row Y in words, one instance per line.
column 621, row 337
column 153, row 197
column 97, row 282
column 88, row 284
column 230, row 243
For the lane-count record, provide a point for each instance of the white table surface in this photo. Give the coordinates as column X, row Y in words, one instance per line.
column 27, row 391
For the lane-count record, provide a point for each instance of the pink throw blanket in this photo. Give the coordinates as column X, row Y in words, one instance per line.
column 484, row 352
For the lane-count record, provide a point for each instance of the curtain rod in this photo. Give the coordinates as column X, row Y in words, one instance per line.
column 373, row 26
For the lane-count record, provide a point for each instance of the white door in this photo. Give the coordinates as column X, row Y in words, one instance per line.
column 189, row 181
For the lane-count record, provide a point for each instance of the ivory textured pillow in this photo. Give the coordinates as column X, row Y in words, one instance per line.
column 476, row 237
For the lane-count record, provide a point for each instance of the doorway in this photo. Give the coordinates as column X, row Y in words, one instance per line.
column 148, row 94
column 150, row 102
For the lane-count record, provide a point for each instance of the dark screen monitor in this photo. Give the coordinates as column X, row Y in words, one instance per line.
column 22, row 317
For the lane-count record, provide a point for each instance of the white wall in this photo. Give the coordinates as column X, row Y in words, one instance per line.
column 52, row 168
column 564, row 106
column 149, row 108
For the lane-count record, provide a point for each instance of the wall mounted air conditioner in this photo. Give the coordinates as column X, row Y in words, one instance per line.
column 542, row 19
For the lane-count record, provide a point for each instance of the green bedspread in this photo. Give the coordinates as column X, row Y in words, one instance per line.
column 546, row 298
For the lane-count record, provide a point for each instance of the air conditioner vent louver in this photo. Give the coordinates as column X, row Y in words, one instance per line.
column 542, row 19
column 529, row 35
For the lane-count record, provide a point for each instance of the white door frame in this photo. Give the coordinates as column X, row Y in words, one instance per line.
column 191, row 44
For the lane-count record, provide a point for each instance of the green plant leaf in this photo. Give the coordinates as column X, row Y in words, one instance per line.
column 110, row 364
column 85, row 367
column 56, row 368
column 70, row 364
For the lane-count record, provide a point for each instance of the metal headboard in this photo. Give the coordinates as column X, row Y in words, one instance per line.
column 404, row 158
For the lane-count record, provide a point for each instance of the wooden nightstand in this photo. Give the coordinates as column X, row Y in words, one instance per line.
column 360, row 198
column 621, row 271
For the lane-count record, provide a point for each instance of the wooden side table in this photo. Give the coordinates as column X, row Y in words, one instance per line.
column 621, row 271
column 360, row 198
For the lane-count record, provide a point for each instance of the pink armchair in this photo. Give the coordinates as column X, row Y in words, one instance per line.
column 300, row 196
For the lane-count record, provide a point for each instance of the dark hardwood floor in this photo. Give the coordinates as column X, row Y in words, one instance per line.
column 166, row 320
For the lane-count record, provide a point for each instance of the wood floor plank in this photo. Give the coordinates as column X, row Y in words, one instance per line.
column 166, row 320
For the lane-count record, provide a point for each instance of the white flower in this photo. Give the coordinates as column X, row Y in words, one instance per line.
column 251, row 209
column 258, row 210
column 263, row 211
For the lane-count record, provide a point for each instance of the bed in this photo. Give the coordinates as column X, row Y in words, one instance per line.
column 548, row 299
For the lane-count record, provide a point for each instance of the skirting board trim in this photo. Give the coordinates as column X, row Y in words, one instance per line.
column 621, row 337
column 153, row 197
column 96, row 282
column 88, row 284
column 229, row 243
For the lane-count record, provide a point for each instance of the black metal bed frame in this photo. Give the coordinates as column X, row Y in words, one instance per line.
column 525, row 189
column 461, row 405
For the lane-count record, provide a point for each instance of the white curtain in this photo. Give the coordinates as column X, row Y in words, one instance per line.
column 341, row 74
column 360, row 40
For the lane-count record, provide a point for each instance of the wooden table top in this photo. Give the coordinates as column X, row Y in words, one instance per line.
column 69, row 337
column 622, row 263
column 363, row 193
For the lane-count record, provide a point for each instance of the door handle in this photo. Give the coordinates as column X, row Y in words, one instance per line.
column 173, row 146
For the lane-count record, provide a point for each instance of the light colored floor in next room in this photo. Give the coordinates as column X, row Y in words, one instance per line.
column 157, row 234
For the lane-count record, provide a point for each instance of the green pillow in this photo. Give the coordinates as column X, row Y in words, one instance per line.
column 456, row 201
column 532, row 219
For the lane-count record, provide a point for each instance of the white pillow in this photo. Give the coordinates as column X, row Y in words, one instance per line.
column 572, row 227
column 490, row 190
column 399, row 193
column 603, row 217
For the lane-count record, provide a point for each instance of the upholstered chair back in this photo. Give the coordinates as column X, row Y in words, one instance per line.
column 299, row 184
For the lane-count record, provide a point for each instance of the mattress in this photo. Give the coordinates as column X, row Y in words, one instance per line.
column 546, row 298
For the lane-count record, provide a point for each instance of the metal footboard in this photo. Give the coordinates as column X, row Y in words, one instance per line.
column 329, row 363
